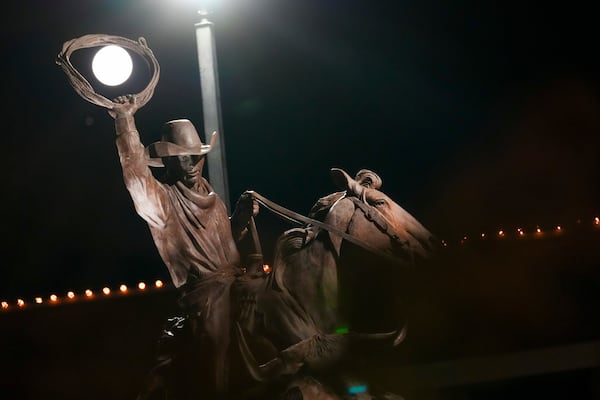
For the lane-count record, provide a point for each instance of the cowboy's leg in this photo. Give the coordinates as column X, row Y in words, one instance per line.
column 218, row 326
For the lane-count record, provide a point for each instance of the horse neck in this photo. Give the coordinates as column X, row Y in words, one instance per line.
column 307, row 272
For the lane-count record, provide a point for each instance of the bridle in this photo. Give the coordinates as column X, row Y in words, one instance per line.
column 374, row 217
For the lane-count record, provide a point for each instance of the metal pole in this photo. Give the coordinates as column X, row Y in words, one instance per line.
column 211, row 106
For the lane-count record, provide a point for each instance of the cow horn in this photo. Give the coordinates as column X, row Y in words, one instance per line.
column 374, row 336
column 401, row 336
column 397, row 336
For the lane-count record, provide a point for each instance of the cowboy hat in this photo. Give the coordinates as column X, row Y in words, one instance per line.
column 179, row 138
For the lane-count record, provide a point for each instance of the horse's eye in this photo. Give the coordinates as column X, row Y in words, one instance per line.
column 379, row 203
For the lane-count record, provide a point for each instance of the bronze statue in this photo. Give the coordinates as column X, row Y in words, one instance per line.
column 296, row 325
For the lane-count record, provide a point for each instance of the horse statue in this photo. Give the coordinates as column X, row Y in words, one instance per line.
column 333, row 285
column 305, row 327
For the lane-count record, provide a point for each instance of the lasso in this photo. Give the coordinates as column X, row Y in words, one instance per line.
column 84, row 88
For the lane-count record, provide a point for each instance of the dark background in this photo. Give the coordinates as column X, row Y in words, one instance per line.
column 478, row 117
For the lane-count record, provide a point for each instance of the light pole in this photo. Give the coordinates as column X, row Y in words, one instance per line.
column 211, row 105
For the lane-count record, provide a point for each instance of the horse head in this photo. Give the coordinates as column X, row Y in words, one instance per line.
column 380, row 223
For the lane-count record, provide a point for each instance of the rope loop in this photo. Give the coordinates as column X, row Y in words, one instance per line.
column 84, row 88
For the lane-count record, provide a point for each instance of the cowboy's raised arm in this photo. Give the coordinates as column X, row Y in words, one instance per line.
column 149, row 197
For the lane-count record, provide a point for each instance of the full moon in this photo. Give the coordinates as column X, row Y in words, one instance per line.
column 112, row 65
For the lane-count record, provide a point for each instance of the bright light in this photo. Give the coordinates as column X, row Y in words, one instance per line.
column 141, row 286
column 70, row 295
column 106, row 291
column 123, row 288
column 112, row 65
column 38, row 300
column 89, row 293
column 20, row 302
column 53, row 298
column 158, row 283
column 4, row 305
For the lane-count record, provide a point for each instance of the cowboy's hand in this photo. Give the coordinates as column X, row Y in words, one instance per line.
column 247, row 204
column 255, row 206
column 124, row 106
column 245, row 208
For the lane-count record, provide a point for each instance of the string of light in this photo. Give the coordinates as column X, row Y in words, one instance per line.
column 87, row 294
column 519, row 232
column 106, row 292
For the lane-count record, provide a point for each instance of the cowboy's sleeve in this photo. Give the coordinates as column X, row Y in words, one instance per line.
column 148, row 195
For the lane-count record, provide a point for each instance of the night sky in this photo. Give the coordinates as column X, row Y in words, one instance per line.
column 475, row 116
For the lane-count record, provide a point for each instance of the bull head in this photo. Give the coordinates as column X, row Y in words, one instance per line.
column 316, row 353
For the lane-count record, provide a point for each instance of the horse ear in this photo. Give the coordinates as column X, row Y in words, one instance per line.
column 347, row 183
column 340, row 178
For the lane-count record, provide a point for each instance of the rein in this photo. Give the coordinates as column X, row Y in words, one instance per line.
column 300, row 219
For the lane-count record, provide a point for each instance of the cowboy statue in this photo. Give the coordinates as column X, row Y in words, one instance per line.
column 192, row 231
column 190, row 227
column 295, row 328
